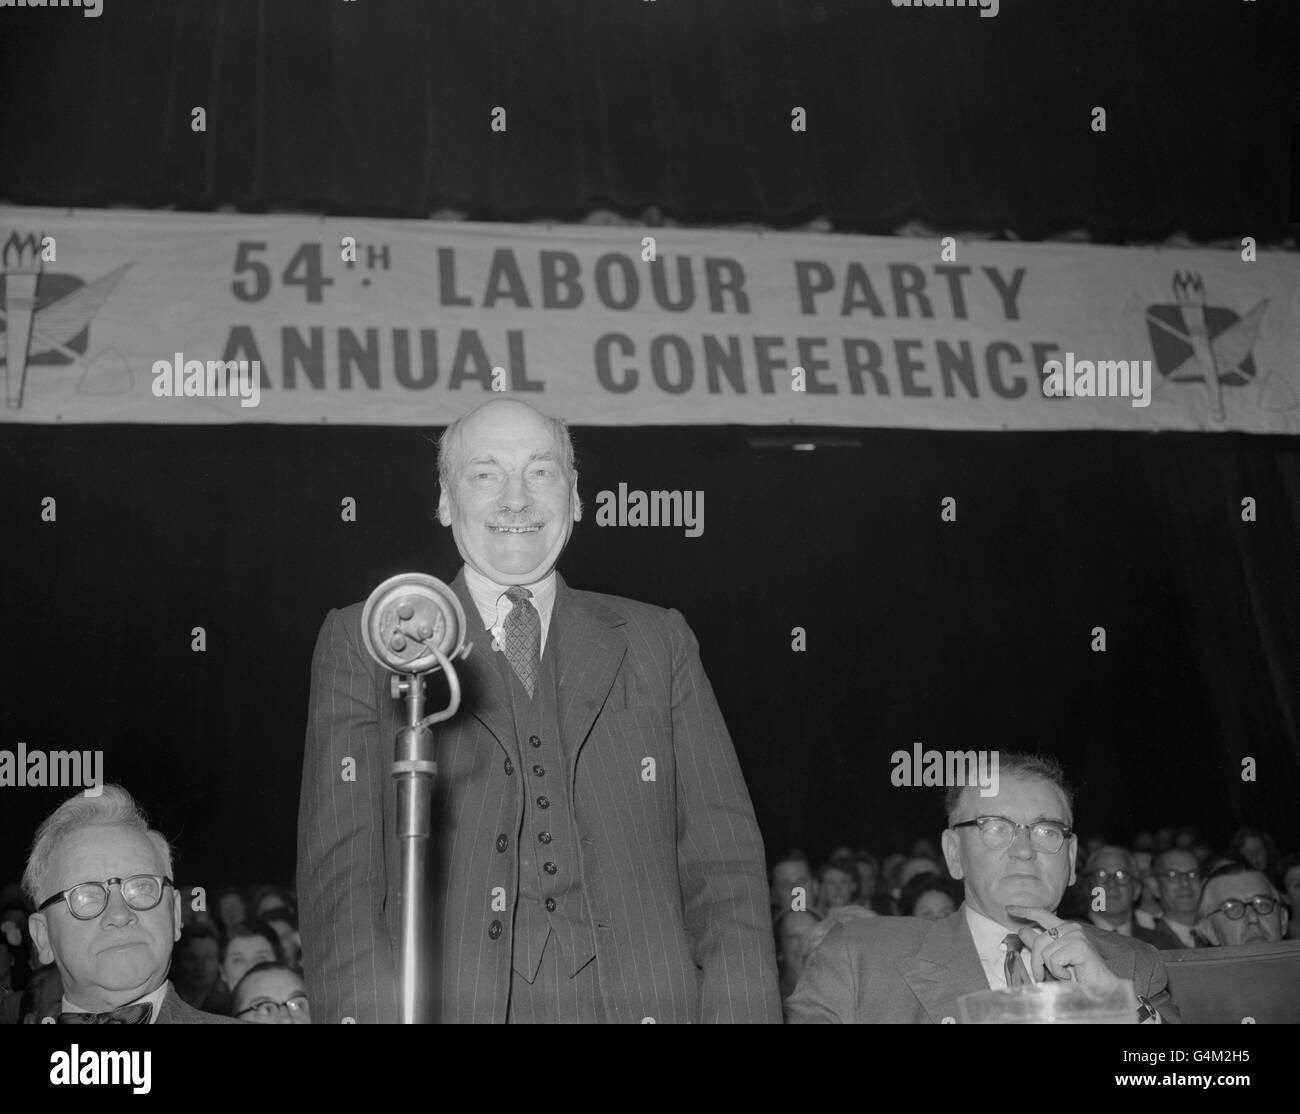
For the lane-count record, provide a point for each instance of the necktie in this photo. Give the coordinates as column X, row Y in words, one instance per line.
column 523, row 629
column 138, row 1013
column 1016, row 973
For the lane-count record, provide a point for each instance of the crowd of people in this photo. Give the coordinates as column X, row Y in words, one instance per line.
column 1168, row 888
column 236, row 953
column 232, row 953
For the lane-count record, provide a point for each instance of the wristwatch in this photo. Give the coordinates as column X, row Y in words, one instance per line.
column 1146, row 1011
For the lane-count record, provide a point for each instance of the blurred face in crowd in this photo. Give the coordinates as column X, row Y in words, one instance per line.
column 933, row 905
column 196, row 963
column 508, row 498
column 123, row 953
column 269, row 902
column 792, row 878
column 1291, row 887
column 914, row 868
column 1113, row 871
column 1252, row 926
column 48, row 1000
column 290, row 941
column 1177, row 877
column 793, row 930
column 1017, row 873
column 866, row 880
column 273, row 998
column 242, row 953
column 837, row 887
column 231, row 910
column 1253, row 851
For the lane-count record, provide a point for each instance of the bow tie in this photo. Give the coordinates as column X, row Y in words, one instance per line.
column 138, row 1013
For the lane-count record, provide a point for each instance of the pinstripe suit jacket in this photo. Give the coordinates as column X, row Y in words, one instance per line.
column 672, row 869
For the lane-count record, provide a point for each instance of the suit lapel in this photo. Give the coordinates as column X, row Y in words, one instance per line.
column 945, row 967
column 589, row 653
column 483, row 691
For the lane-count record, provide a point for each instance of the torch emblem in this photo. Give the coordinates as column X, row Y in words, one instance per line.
column 45, row 319
column 1195, row 342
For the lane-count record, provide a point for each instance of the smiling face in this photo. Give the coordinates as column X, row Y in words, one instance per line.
column 1017, row 874
column 123, row 953
column 508, row 499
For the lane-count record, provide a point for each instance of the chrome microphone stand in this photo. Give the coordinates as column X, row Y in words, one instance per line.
column 408, row 624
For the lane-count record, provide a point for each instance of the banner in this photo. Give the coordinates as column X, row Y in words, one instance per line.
column 113, row 316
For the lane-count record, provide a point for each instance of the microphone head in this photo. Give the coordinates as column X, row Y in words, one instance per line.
column 406, row 617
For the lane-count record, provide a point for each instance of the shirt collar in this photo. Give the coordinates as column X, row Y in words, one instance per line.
column 487, row 596
column 987, row 933
column 155, row 999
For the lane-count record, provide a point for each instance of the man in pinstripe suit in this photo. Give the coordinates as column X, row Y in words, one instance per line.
column 595, row 856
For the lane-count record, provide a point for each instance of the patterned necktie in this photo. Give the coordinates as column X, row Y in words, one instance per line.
column 523, row 629
column 137, row 1014
column 1015, row 970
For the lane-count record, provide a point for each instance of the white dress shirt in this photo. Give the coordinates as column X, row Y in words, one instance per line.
column 1182, row 931
column 155, row 999
column 991, row 946
column 494, row 605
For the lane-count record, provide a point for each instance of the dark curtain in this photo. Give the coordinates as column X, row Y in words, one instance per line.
column 382, row 107
column 974, row 634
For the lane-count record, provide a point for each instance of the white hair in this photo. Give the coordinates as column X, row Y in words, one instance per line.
column 113, row 807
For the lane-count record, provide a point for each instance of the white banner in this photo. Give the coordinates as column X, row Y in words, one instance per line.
column 112, row 316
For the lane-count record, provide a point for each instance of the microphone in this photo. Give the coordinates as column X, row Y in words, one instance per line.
column 413, row 623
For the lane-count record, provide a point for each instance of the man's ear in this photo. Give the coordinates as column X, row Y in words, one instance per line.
column 577, row 503
column 176, row 915
column 951, row 852
column 444, row 507
column 1071, row 848
column 41, row 937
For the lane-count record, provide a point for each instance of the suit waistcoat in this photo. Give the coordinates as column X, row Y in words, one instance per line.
column 550, row 887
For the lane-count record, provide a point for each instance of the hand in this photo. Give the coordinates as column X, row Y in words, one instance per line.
column 1067, row 954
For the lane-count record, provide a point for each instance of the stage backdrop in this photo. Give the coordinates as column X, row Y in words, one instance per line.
column 141, row 317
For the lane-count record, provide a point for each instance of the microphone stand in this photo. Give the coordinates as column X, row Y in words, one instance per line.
column 414, row 769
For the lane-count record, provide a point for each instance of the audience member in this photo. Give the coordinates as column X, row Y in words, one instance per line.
column 1256, row 848
column 868, row 870
column 231, row 909
column 248, row 945
column 930, row 896
column 1112, row 871
column 792, row 929
column 266, row 898
column 1239, row 905
column 793, row 885
column 837, row 885
column 43, row 997
column 1176, row 882
column 107, row 912
column 272, row 994
column 196, row 969
column 1288, row 876
column 285, row 924
column 1015, row 855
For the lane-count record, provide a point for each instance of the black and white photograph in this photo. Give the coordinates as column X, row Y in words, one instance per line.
column 650, row 512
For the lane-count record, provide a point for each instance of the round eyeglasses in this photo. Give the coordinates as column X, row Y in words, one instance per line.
column 998, row 831
column 1234, row 910
column 1122, row 877
column 267, row 1008
column 87, row 900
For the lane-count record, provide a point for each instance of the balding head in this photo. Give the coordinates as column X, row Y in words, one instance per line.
column 509, row 490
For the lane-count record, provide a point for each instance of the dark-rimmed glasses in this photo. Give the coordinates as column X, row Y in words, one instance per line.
column 998, row 831
column 1234, row 910
column 87, row 900
column 266, row 1008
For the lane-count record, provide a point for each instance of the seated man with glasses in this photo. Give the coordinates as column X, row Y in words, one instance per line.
column 1239, row 905
column 1176, row 878
column 1014, row 853
column 1112, row 885
column 272, row 994
column 107, row 913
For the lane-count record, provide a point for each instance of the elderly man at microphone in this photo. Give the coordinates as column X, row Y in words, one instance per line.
column 594, row 855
